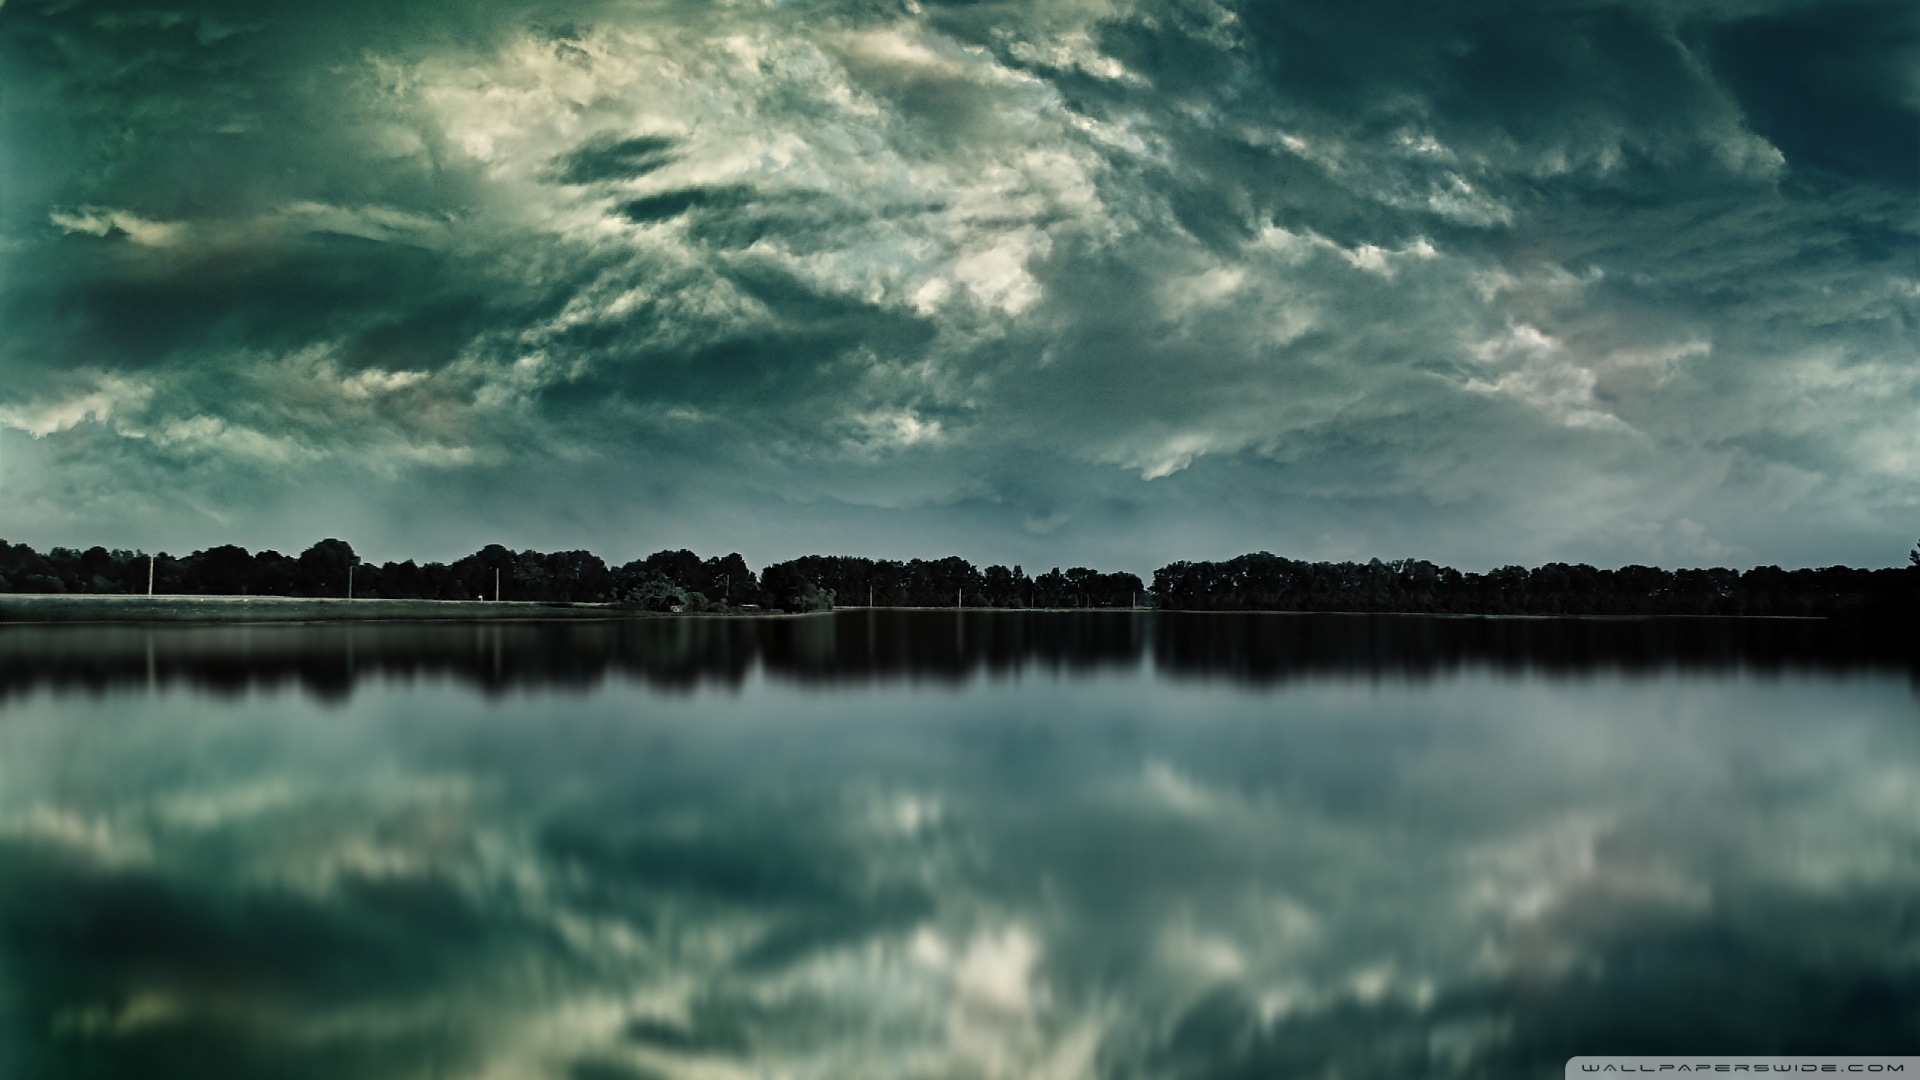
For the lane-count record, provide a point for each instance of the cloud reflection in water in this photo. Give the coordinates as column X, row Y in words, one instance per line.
column 1094, row 847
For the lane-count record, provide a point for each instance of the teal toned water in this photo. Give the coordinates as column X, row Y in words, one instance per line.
column 918, row 845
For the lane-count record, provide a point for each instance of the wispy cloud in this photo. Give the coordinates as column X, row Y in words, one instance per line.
column 1079, row 259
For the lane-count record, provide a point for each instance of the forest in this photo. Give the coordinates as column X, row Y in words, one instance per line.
column 683, row 581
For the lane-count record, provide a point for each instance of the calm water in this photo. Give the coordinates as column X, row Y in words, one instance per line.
column 925, row 846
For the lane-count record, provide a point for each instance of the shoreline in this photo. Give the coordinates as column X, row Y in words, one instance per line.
column 32, row 608
column 99, row 608
column 1311, row 611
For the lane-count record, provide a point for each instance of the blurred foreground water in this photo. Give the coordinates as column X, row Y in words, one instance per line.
column 921, row 844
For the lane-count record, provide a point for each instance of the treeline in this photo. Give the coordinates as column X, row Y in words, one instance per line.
column 330, row 567
column 1264, row 582
column 953, row 582
column 664, row 581
column 683, row 581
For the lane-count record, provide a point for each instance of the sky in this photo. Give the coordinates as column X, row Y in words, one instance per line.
column 1101, row 282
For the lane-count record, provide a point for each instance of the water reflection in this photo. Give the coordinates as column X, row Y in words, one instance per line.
column 327, row 659
column 831, row 848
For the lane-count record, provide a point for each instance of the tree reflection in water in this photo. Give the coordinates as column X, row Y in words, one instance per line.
column 326, row 660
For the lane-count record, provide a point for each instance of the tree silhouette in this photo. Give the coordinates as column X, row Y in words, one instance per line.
column 323, row 567
column 1260, row 581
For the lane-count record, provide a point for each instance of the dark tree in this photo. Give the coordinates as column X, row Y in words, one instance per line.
column 323, row 568
column 786, row 587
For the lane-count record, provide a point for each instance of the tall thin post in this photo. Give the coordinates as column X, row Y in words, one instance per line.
column 349, row 581
column 496, row 584
column 957, row 594
column 149, row 575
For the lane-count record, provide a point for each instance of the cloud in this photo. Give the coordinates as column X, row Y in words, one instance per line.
column 1094, row 247
column 112, row 395
column 103, row 223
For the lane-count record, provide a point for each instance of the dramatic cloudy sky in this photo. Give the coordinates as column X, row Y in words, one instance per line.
column 1107, row 281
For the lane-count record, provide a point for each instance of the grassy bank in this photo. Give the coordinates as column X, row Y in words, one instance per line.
column 55, row 607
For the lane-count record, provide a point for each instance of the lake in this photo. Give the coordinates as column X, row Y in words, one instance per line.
column 935, row 845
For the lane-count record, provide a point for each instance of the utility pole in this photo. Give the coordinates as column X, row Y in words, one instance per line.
column 957, row 594
column 496, row 584
column 149, row 575
column 349, row 581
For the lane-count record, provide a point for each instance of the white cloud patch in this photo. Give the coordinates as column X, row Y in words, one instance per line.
column 113, row 396
column 380, row 223
column 942, row 221
column 95, row 221
column 214, row 231
column 1170, row 455
column 898, row 428
column 1539, row 372
column 211, row 434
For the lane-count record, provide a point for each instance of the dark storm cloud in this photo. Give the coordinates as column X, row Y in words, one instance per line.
column 1141, row 280
column 1832, row 85
column 613, row 158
